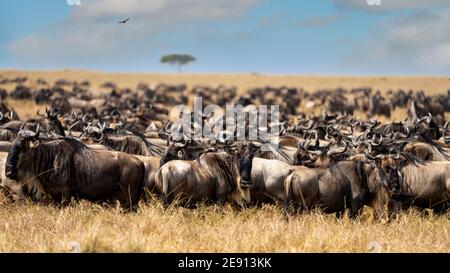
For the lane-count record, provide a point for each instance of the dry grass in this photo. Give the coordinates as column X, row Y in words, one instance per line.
column 431, row 85
column 88, row 227
column 95, row 228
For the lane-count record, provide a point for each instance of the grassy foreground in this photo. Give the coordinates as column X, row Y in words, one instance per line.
column 87, row 227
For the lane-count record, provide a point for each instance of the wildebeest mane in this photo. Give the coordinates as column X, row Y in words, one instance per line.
column 53, row 160
column 155, row 150
column 127, row 144
column 223, row 167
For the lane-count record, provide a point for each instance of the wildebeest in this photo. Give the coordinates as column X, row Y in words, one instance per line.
column 213, row 177
column 427, row 152
column 333, row 189
column 64, row 168
column 268, row 177
column 427, row 185
column 151, row 165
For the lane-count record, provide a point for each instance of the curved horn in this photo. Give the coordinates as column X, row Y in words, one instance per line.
column 446, row 125
column 372, row 141
column 316, row 141
column 422, row 119
column 308, row 127
column 301, row 144
column 23, row 125
column 36, row 134
column 369, row 156
column 334, row 152
column 406, row 130
column 166, row 127
column 318, row 152
column 102, row 136
column 102, row 126
column 84, row 118
column 71, row 126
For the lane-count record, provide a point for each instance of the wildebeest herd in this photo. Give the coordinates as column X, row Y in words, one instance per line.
column 117, row 145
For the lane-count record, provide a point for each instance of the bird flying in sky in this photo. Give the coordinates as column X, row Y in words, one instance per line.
column 124, row 21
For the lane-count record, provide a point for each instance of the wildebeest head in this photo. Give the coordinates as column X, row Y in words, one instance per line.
column 388, row 167
column 391, row 169
column 188, row 150
column 245, row 155
column 52, row 122
column 94, row 133
column 24, row 140
column 174, row 152
column 303, row 156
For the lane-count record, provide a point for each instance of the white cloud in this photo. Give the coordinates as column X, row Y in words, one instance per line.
column 157, row 10
column 90, row 32
column 416, row 42
column 438, row 57
column 391, row 5
column 73, row 2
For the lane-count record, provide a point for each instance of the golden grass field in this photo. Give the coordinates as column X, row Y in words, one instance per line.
column 88, row 227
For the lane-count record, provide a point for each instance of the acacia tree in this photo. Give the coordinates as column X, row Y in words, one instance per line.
column 177, row 59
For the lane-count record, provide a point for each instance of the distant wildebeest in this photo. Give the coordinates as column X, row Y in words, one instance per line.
column 129, row 143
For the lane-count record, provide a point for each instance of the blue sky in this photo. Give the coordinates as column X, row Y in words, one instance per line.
column 398, row 37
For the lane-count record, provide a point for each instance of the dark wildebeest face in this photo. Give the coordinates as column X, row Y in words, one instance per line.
column 301, row 155
column 54, row 124
column 390, row 169
column 174, row 152
column 24, row 139
column 189, row 150
column 305, row 157
column 245, row 164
